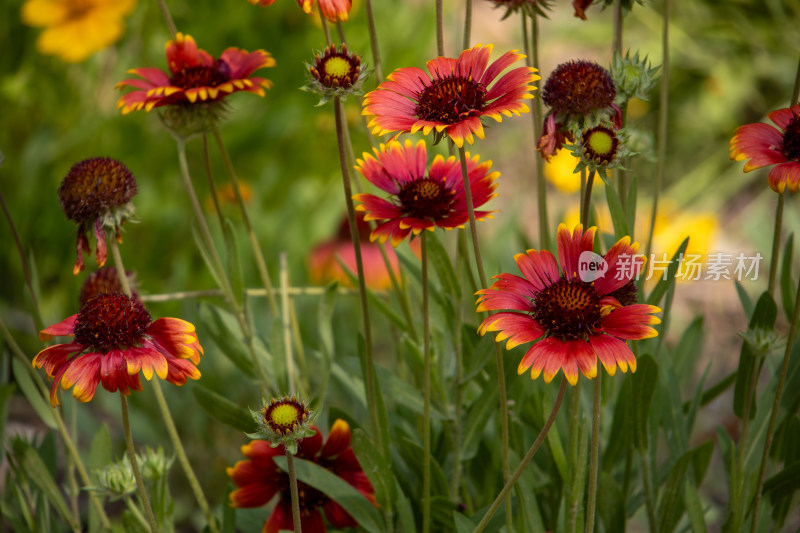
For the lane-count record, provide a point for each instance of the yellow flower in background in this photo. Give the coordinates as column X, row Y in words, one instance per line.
column 671, row 228
column 76, row 29
column 559, row 171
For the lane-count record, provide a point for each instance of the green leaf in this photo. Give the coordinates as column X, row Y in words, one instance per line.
column 610, row 503
column 463, row 524
column 663, row 284
column 787, row 287
column 5, row 394
column 375, row 467
column 404, row 512
column 701, row 459
column 326, row 337
column 476, row 355
column 477, row 415
column 750, row 363
column 443, row 266
column 688, row 349
column 26, row 385
column 224, row 410
column 33, row 466
column 644, row 385
column 224, row 331
column 325, row 481
column 744, row 298
column 670, row 506
column 617, row 214
column 100, row 450
column 619, row 440
column 206, row 257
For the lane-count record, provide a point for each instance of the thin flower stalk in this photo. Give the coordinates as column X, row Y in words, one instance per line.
column 212, row 187
column 219, row 271
column 525, row 460
column 165, row 413
column 426, row 377
column 467, row 24
column 776, row 244
column 501, row 382
column 373, row 41
column 773, row 416
column 137, row 474
column 662, row 124
column 291, row 379
column 649, row 501
column 263, row 272
column 369, row 365
column 293, row 490
column 594, row 457
column 173, row 29
column 439, row 28
column 532, row 59
column 69, row 444
column 575, row 486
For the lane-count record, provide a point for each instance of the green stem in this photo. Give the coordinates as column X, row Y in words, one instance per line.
column 340, row 31
column 773, row 416
column 662, row 125
column 439, row 28
column 251, row 234
column 587, row 199
column 369, row 365
column 525, row 460
column 137, row 474
column 137, row 514
column 287, row 325
column 618, row 18
column 776, row 244
column 293, row 490
column 121, row 275
column 212, row 188
column 532, row 51
column 648, row 494
column 26, row 272
column 426, row 377
column 455, row 480
column 594, row 460
column 572, row 448
column 467, row 23
column 194, row 484
column 501, row 381
column 220, row 273
column 326, row 29
column 373, row 41
column 173, row 30
column 69, row 444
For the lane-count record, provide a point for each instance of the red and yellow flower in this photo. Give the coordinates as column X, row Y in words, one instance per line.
column 572, row 318
column 259, row 480
column 195, row 77
column 452, row 97
column 421, row 198
column 765, row 145
column 115, row 339
column 332, row 10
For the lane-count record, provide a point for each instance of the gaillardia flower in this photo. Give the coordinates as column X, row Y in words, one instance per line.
column 765, row 145
column 452, row 97
column 76, row 29
column 114, row 339
column 421, row 198
column 195, row 77
column 323, row 261
column 584, row 312
column 332, row 10
column 96, row 193
column 259, row 479
column 574, row 91
column 335, row 72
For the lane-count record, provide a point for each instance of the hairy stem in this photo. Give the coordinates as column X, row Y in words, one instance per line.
column 137, row 474
column 293, row 490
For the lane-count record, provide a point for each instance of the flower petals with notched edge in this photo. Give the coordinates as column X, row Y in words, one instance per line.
column 116, row 340
column 259, row 479
column 195, row 77
column 420, row 198
column 452, row 97
column 571, row 322
column 765, row 145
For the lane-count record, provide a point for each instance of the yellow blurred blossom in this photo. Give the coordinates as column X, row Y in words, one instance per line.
column 559, row 172
column 671, row 228
column 76, row 29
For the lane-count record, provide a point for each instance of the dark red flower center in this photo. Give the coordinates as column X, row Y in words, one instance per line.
column 426, row 198
column 201, row 76
column 627, row 294
column 578, row 87
column 791, row 139
column 94, row 186
column 449, row 100
column 111, row 321
column 568, row 309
